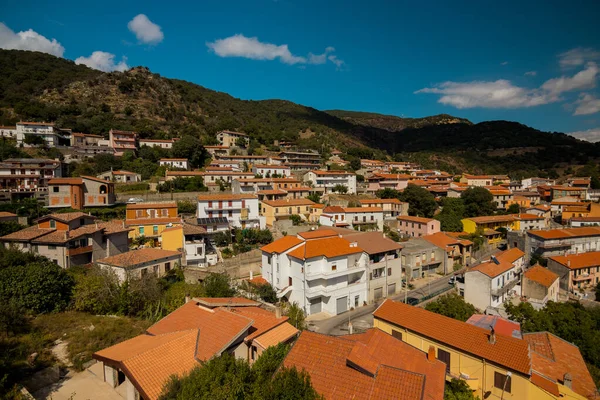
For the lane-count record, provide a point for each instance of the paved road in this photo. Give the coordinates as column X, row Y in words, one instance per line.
column 362, row 317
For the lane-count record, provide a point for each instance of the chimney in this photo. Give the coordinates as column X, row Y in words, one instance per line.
column 492, row 339
column 568, row 380
column 187, row 297
column 431, row 354
column 277, row 312
column 251, row 275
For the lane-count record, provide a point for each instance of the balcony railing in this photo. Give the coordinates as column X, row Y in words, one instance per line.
column 505, row 289
column 224, row 207
column 79, row 250
column 582, row 277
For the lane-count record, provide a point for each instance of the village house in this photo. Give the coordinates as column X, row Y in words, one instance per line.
column 192, row 240
column 85, row 140
column 489, row 226
column 240, row 210
column 277, row 210
column 77, row 193
column 321, row 273
column 299, row 157
column 233, row 139
column 8, row 132
column 6, row 216
column 541, row 210
column 214, row 177
column 493, row 282
column 51, row 135
column 420, row 258
column 268, row 171
column 251, row 185
column 218, row 150
column 576, row 271
column 539, row 285
column 580, row 182
column 122, row 141
column 392, row 208
column 541, row 366
column 533, row 196
column 567, row 191
column 162, row 143
column 300, row 166
column 138, row 263
column 241, row 159
column 417, row 226
column 557, row 206
column 357, row 218
column 27, row 177
column 330, row 180
column 477, row 180
column 120, row 176
column 372, row 165
column 365, row 367
column 380, row 181
column 179, row 163
column 534, row 182
column 71, row 239
column 555, row 242
column 577, row 222
column 585, row 210
column 457, row 250
column 502, row 196
column 191, row 335
column 148, row 220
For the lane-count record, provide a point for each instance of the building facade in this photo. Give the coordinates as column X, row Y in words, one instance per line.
column 241, row 210
column 329, row 180
column 77, row 193
column 417, row 226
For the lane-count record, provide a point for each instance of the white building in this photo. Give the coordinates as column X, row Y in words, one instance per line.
column 120, row 176
column 45, row 130
column 358, row 218
column 270, row 170
column 241, row 210
column 319, row 273
column 8, row 132
column 492, row 283
column 162, row 143
column 181, row 163
column 328, row 180
column 28, row 174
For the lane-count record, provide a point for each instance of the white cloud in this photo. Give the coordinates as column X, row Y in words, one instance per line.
column 587, row 104
column 530, row 73
column 252, row 48
column 334, row 59
column 28, row 40
column 503, row 94
column 103, row 61
column 504, row 63
column 591, row 135
column 145, row 30
column 577, row 56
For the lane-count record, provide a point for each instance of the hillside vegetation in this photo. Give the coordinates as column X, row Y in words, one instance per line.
column 41, row 87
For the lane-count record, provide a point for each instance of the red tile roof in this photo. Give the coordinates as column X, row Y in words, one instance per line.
column 370, row 366
column 325, row 247
column 565, row 233
column 541, row 275
column 420, row 220
column 508, row 352
column 577, row 261
column 319, row 233
column 281, row 245
column 444, row 241
column 501, row 325
column 136, row 257
column 288, row 202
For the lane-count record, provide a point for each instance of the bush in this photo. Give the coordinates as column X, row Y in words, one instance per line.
column 296, row 219
column 218, row 285
column 186, row 207
column 132, row 187
column 453, row 306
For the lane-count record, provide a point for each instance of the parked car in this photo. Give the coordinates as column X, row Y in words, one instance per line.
column 452, row 280
column 134, row 200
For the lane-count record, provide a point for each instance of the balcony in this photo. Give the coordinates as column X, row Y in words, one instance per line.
column 79, row 250
column 582, row 277
column 225, row 207
column 505, row 289
column 310, row 275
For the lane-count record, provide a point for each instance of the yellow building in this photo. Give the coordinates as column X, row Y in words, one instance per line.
column 538, row 366
column 585, row 210
column 488, row 225
column 150, row 219
column 172, row 238
column 315, row 212
column 275, row 210
column 521, row 201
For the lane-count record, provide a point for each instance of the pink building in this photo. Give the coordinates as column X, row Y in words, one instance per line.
column 576, row 271
column 417, row 226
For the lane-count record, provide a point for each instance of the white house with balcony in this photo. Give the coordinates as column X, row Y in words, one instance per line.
column 268, row 171
column 318, row 270
column 180, row 163
column 357, row 218
column 241, row 210
column 328, row 180
column 492, row 283
column 51, row 135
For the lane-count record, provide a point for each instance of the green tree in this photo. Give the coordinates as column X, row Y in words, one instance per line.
column 340, row 189
column 296, row 315
column 34, row 140
column 191, row 148
column 597, row 290
column 97, row 291
column 452, row 213
column 314, row 197
column 355, row 164
column 9, row 227
column 478, row 201
column 388, row 193
column 13, row 320
column 453, row 306
column 421, row 202
column 457, row 389
column 296, row 219
column 218, row 285
column 240, row 142
column 513, row 209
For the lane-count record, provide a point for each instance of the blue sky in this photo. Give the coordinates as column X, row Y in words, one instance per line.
column 535, row 62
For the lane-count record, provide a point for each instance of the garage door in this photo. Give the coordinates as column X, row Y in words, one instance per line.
column 378, row 293
column 341, row 305
column 391, row 289
column 315, row 306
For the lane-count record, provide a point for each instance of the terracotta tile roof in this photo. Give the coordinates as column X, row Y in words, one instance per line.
column 279, row 334
column 529, row 217
column 299, row 189
column 258, row 280
column 362, row 209
column 510, row 255
column 223, row 197
column 333, row 209
column 281, row 245
column 319, row 233
column 381, row 201
column 173, row 229
column 123, row 172
column 419, row 220
column 186, row 173
column 370, row 366
column 262, row 320
column 445, row 241
column 326, row 247
column 66, row 217
column 25, row 235
column 114, row 226
column 152, row 221
column 567, row 188
column 541, row 207
column 501, row 325
column 144, row 206
column 565, row 233
column 65, row 181
column 553, row 357
column 541, row 275
column 506, row 261
column 288, row 202
column 5, row 214
column 136, row 257
column 492, row 218
column 93, row 178
column 323, row 173
column 191, row 229
column 507, row 351
column 577, row 261
column 318, row 206
column 478, row 176
column 271, row 192
column 372, row 242
column 392, row 177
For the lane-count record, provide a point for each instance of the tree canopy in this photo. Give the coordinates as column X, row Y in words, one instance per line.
column 452, row 213
column 421, row 202
column 478, row 201
column 453, row 306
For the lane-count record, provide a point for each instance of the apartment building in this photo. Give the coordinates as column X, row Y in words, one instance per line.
column 298, row 157
column 77, row 193
column 417, row 226
column 558, row 192
column 192, row 241
column 319, row 273
column 392, row 208
column 372, row 165
column 540, row 285
column 585, row 210
column 576, row 271
column 458, row 251
column 541, row 366
column 162, row 143
column 218, row 150
column 380, row 181
column 179, row 163
column 556, row 242
column 502, row 196
column 494, row 282
column 120, row 176
column 231, row 139
column 277, row 210
column 8, row 132
column 240, row 210
column 148, row 220
column 535, row 182
column 122, row 141
column 213, row 177
column 420, row 258
column 28, row 176
column 140, row 262
column 329, row 180
column 268, row 171
column 71, row 239
column 51, row 135
column 251, row 185
column 85, row 140
column 358, row 218
column 241, row 159
column 477, row 180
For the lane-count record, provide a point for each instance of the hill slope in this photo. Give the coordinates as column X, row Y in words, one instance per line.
column 36, row 86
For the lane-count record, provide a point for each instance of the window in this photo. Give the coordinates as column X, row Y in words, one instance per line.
column 52, row 223
column 168, row 266
column 230, row 213
column 397, row 334
column 55, row 189
column 356, row 300
column 144, row 271
column 156, row 270
column 290, row 281
column 51, row 247
column 444, row 357
column 502, row 382
column 389, row 272
column 155, row 230
column 334, row 267
column 141, row 230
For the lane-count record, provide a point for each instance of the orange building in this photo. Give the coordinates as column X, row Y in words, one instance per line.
column 76, row 193
column 150, row 219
